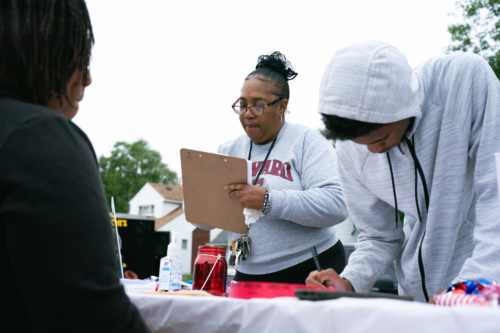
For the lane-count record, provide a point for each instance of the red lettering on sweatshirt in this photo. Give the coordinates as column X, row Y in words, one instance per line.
column 255, row 168
column 277, row 165
column 260, row 182
column 286, row 172
column 275, row 168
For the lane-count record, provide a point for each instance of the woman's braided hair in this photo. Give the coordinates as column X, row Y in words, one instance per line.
column 42, row 43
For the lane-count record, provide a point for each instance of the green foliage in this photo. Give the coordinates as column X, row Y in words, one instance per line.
column 479, row 32
column 129, row 167
column 401, row 217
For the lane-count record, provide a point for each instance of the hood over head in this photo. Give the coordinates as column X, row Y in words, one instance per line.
column 369, row 82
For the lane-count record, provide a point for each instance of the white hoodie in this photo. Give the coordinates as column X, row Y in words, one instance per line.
column 455, row 103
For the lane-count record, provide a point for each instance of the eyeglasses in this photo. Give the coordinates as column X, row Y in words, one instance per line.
column 255, row 110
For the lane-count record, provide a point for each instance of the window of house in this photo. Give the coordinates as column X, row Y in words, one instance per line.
column 147, row 210
column 184, row 244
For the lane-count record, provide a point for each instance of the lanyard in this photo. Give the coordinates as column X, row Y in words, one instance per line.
column 265, row 160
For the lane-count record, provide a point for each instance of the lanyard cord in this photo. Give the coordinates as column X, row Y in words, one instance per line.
column 265, row 160
column 263, row 163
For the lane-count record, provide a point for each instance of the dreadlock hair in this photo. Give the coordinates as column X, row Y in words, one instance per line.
column 338, row 128
column 277, row 69
column 42, row 43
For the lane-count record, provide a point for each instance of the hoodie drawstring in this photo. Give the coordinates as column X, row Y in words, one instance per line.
column 418, row 167
column 411, row 146
column 393, row 190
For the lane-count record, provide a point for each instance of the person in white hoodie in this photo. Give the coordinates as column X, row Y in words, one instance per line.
column 420, row 142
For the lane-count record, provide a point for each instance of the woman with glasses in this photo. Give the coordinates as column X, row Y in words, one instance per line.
column 295, row 184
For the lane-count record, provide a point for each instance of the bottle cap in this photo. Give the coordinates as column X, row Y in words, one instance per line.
column 173, row 249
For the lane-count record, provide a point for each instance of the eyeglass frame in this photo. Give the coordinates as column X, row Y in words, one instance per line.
column 256, row 107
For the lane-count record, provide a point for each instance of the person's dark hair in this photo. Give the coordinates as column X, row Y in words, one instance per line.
column 338, row 128
column 42, row 43
column 277, row 69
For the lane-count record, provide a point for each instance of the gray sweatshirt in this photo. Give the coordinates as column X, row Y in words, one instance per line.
column 455, row 103
column 305, row 198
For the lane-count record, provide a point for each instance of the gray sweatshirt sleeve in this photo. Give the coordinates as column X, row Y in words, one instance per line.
column 320, row 203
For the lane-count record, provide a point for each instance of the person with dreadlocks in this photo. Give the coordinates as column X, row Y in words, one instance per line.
column 418, row 141
column 58, row 261
column 294, row 188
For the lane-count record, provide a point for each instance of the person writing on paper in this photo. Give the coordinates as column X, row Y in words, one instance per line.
column 420, row 142
column 295, row 183
column 59, row 272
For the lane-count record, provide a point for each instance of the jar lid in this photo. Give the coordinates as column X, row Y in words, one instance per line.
column 207, row 249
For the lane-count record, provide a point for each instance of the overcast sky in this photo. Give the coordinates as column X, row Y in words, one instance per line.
column 168, row 71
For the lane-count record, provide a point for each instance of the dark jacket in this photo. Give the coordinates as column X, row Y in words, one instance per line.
column 57, row 257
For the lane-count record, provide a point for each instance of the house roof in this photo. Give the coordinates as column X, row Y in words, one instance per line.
column 161, row 221
column 169, row 192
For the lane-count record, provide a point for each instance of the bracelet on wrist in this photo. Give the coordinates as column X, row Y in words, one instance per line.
column 265, row 206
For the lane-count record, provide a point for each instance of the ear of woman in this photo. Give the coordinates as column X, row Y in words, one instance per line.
column 68, row 106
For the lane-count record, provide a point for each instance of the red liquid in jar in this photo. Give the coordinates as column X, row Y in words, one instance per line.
column 205, row 261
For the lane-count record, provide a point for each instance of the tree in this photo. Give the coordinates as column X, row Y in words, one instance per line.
column 479, row 32
column 128, row 168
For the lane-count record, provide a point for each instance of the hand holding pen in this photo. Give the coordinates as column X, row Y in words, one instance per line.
column 328, row 277
column 316, row 261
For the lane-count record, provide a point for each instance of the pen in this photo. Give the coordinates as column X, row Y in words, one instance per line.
column 316, row 261
column 315, row 257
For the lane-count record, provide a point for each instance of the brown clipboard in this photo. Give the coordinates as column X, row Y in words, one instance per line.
column 204, row 176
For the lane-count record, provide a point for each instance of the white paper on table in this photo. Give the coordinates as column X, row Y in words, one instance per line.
column 139, row 285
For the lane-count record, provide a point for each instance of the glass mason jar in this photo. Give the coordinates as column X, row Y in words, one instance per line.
column 210, row 270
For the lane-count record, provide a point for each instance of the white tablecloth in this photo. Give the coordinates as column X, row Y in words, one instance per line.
column 185, row 314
